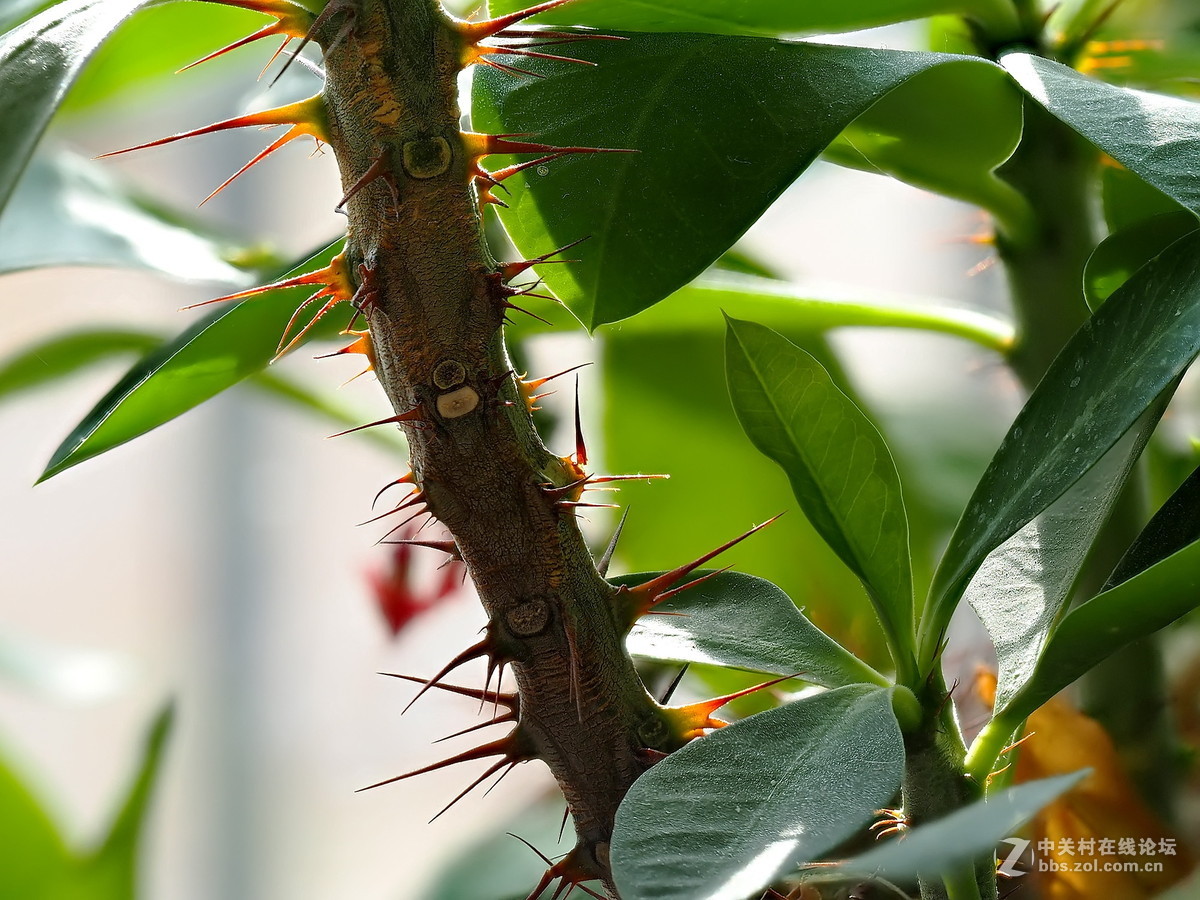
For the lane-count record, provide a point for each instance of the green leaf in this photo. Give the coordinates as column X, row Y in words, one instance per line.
column 666, row 390
column 1083, row 405
column 839, row 467
column 1174, row 526
column 1123, row 253
column 964, row 835
column 1128, row 200
column 698, row 306
column 945, row 130
column 215, row 353
column 38, row 62
column 1153, row 135
column 1020, row 589
column 761, row 16
column 149, row 48
column 110, row 872
column 17, row 11
column 703, row 173
column 67, row 211
column 65, row 354
column 729, row 812
column 743, row 622
column 33, row 854
column 1157, row 581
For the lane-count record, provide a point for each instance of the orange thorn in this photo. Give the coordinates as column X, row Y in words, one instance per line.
column 694, row 719
column 413, row 415
column 410, row 478
column 480, row 145
column 509, row 271
column 656, row 586
column 307, row 114
column 473, row 32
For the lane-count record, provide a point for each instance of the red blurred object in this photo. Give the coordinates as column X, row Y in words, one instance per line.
column 403, row 591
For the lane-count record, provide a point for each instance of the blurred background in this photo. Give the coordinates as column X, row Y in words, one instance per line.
column 216, row 561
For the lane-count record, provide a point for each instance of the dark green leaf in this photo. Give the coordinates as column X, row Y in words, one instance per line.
column 837, row 462
column 38, row 62
column 744, row 622
column 1154, row 135
column 1174, row 526
column 215, row 353
column 703, row 173
column 1085, row 402
column 945, row 130
column 762, row 16
column 725, row 815
column 67, row 211
column 66, row 354
column 965, row 835
column 1123, row 253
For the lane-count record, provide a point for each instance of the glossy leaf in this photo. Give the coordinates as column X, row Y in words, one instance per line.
column 660, row 216
column 1128, row 200
column 215, row 353
column 68, row 211
column 1123, row 253
column 1083, row 405
column 839, row 467
column 945, row 130
column 964, row 835
column 761, row 16
column 65, row 354
column 1154, row 135
column 724, row 816
column 1020, row 591
column 1174, row 526
column 38, row 62
column 743, row 622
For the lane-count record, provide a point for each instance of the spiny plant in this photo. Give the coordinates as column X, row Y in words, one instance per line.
column 662, row 808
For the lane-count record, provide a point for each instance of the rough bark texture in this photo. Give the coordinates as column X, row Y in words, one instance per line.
column 435, row 303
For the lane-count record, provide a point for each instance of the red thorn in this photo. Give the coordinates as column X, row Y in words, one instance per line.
column 666, row 595
column 332, row 8
column 505, row 746
column 580, row 448
column 579, row 504
column 361, row 345
column 410, row 478
column 562, row 829
column 265, row 31
column 417, row 497
column 478, row 53
column 656, row 586
column 507, row 305
column 292, row 133
column 475, row 651
column 321, row 276
column 606, row 559
column 492, row 770
column 413, row 415
column 649, row 756
column 498, row 720
column 568, row 869
column 448, row 547
column 377, row 170
column 473, row 32
column 509, row 271
column 509, row 701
